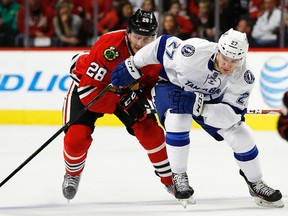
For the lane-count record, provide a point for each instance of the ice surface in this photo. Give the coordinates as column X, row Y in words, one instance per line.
column 119, row 180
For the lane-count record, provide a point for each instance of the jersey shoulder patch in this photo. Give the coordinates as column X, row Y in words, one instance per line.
column 249, row 77
column 188, row 50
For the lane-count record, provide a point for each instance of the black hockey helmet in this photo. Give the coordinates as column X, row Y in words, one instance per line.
column 143, row 23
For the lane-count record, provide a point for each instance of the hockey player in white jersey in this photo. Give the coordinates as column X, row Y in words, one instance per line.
column 210, row 83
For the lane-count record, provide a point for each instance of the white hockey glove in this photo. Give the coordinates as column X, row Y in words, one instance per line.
column 125, row 73
column 185, row 102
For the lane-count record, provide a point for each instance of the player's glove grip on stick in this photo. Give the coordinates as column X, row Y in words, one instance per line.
column 132, row 105
column 186, row 102
column 125, row 73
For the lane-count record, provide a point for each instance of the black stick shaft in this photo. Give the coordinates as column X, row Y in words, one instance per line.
column 56, row 135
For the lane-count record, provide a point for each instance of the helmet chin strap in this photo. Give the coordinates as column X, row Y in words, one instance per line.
column 129, row 45
column 215, row 63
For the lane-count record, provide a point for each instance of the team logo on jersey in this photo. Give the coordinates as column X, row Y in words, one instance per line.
column 249, row 77
column 111, row 53
column 213, row 79
column 188, row 50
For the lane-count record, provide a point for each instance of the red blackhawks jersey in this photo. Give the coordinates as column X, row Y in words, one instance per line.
column 92, row 70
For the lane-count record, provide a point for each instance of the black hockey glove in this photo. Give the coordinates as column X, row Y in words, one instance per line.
column 132, row 105
column 282, row 124
column 185, row 102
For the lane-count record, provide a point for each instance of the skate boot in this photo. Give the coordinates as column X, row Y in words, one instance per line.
column 170, row 189
column 183, row 191
column 70, row 186
column 263, row 194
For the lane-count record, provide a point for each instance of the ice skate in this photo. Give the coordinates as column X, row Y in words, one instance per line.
column 170, row 189
column 70, row 186
column 263, row 194
column 183, row 192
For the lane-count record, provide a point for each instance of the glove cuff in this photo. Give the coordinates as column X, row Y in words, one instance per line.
column 133, row 71
column 198, row 104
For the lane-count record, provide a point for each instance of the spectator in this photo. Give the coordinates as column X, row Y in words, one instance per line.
column 286, row 29
column 8, row 11
column 170, row 25
column 8, row 22
column 117, row 18
column 6, row 34
column 67, row 25
column 192, row 7
column 278, row 4
column 167, row 4
column 242, row 7
column 184, row 22
column 255, row 9
column 77, row 6
column 40, row 20
column 229, row 17
column 104, row 6
column 150, row 6
column 201, row 19
column 265, row 31
column 245, row 26
column 88, row 31
column 138, row 4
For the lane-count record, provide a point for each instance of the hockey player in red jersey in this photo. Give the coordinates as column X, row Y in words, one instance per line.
column 91, row 74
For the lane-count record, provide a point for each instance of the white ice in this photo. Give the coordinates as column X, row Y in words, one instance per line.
column 119, row 180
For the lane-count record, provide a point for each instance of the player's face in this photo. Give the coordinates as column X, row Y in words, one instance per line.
column 138, row 41
column 226, row 65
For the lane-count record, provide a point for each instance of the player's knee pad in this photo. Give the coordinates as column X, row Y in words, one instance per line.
column 177, row 122
column 149, row 133
column 78, row 139
column 240, row 138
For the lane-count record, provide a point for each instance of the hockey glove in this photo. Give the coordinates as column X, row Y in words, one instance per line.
column 185, row 102
column 132, row 105
column 125, row 73
column 282, row 124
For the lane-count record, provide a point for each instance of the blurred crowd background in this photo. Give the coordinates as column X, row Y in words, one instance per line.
column 78, row 23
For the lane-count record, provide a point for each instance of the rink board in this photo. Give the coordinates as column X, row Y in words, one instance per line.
column 32, row 91
column 255, row 121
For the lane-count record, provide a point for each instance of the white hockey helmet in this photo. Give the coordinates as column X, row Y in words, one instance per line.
column 233, row 44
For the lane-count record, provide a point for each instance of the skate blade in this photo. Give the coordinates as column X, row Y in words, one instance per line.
column 185, row 202
column 264, row 203
column 191, row 200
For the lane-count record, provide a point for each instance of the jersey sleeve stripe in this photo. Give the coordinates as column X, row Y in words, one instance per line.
column 160, row 55
column 161, row 48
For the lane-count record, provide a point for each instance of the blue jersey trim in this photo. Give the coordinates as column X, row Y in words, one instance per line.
column 247, row 156
column 160, row 55
column 177, row 139
column 161, row 48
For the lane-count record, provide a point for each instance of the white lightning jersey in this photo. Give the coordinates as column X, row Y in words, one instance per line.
column 190, row 65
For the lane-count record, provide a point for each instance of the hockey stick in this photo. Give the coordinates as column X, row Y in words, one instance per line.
column 264, row 111
column 56, row 134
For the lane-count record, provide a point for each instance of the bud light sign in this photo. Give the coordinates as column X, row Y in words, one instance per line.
column 15, row 82
column 34, row 80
